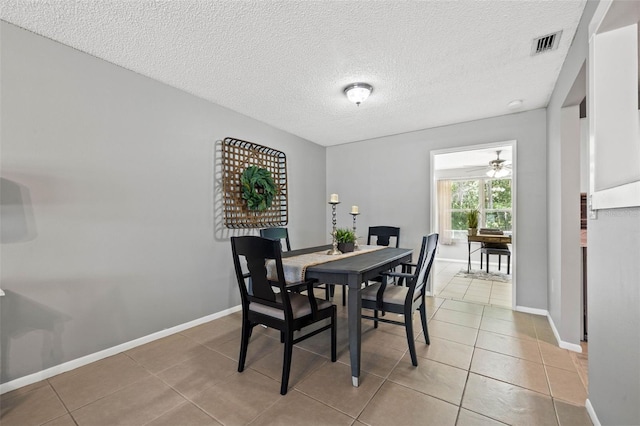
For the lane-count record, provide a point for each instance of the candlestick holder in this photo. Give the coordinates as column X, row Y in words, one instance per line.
column 355, row 245
column 334, row 221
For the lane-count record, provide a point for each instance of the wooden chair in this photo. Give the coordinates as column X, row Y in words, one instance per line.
column 381, row 236
column 494, row 248
column 404, row 300
column 282, row 234
column 277, row 234
column 285, row 311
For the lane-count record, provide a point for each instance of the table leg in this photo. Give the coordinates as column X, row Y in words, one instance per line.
column 469, row 260
column 355, row 331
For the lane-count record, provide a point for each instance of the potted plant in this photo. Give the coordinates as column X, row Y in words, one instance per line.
column 346, row 239
column 472, row 221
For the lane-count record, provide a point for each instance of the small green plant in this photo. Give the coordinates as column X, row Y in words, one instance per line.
column 345, row 235
column 472, row 218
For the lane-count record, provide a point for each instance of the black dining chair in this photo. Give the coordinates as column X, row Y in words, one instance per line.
column 404, row 300
column 285, row 310
column 381, row 236
column 282, row 234
column 500, row 249
column 277, row 234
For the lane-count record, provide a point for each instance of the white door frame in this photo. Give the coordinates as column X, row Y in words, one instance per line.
column 514, row 193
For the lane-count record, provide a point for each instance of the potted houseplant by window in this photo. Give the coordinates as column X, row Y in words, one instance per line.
column 346, row 239
column 472, row 221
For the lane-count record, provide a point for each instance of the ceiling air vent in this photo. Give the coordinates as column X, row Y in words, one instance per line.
column 545, row 43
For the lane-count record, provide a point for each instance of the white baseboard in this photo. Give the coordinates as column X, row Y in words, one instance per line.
column 88, row 359
column 534, row 311
column 592, row 413
column 564, row 345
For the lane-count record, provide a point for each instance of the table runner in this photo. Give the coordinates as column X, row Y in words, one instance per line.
column 294, row 267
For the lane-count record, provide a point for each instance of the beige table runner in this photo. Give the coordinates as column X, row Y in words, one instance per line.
column 294, row 267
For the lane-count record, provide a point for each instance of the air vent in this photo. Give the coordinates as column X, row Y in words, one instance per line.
column 546, row 43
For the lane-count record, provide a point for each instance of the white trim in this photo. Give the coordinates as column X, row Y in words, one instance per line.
column 97, row 356
column 514, row 199
column 564, row 345
column 627, row 195
column 534, row 311
column 592, row 413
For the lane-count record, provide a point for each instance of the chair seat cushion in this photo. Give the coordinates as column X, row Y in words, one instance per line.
column 393, row 294
column 495, row 246
column 506, row 251
column 300, row 306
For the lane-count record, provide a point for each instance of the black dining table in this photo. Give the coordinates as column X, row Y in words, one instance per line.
column 351, row 272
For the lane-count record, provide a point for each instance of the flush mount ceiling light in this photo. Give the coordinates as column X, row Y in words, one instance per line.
column 358, row 92
column 515, row 104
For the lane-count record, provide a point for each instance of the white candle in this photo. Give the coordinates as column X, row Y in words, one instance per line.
column 354, row 209
column 334, row 198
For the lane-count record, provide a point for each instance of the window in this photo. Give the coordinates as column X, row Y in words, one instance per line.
column 491, row 196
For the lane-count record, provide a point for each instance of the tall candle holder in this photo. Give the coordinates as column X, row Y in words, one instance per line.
column 355, row 245
column 334, row 221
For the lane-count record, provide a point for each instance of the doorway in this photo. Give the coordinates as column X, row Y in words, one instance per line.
column 480, row 176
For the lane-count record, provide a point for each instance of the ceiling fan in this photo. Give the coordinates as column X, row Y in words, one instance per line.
column 498, row 168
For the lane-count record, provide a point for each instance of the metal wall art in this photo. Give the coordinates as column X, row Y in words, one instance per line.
column 254, row 185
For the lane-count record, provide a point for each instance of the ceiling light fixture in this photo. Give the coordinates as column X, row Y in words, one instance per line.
column 358, row 92
column 515, row 104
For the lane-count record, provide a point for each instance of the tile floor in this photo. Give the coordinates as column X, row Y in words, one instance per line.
column 449, row 286
column 485, row 366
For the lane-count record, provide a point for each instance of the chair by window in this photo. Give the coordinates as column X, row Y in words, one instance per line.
column 277, row 234
column 404, row 300
column 494, row 248
column 285, row 311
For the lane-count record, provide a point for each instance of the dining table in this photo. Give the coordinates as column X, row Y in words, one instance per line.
column 351, row 272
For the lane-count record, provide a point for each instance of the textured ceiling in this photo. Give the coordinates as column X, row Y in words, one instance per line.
column 286, row 63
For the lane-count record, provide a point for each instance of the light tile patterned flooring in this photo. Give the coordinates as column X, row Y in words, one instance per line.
column 446, row 284
column 485, row 366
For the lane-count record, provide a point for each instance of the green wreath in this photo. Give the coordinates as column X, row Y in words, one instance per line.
column 258, row 188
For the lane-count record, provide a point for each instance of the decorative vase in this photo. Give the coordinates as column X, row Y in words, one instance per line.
column 473, row 232
column 346, row 247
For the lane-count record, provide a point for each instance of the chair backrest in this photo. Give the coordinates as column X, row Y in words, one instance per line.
column 256, row 251
column 423, row 268
column 383, row 235
column 276, row 234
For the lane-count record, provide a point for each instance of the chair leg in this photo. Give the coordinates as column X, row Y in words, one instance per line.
column 408, row 324
column 423, row 318
column 327, row 292
column 334, row 334
column 344, row 295
column 487, row 263
column 286, row 364
column 508, row 265
column 244, row 344
column 375, row 315
column 499, row 262
column 481, row 257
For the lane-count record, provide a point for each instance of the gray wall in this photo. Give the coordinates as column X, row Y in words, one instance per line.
column 613, row 268
column 389, row 178
column 564, row 192
column 108, row 182
column 614, row 316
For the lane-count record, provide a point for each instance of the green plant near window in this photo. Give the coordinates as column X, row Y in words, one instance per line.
column 472, row 218
column 345, row 235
